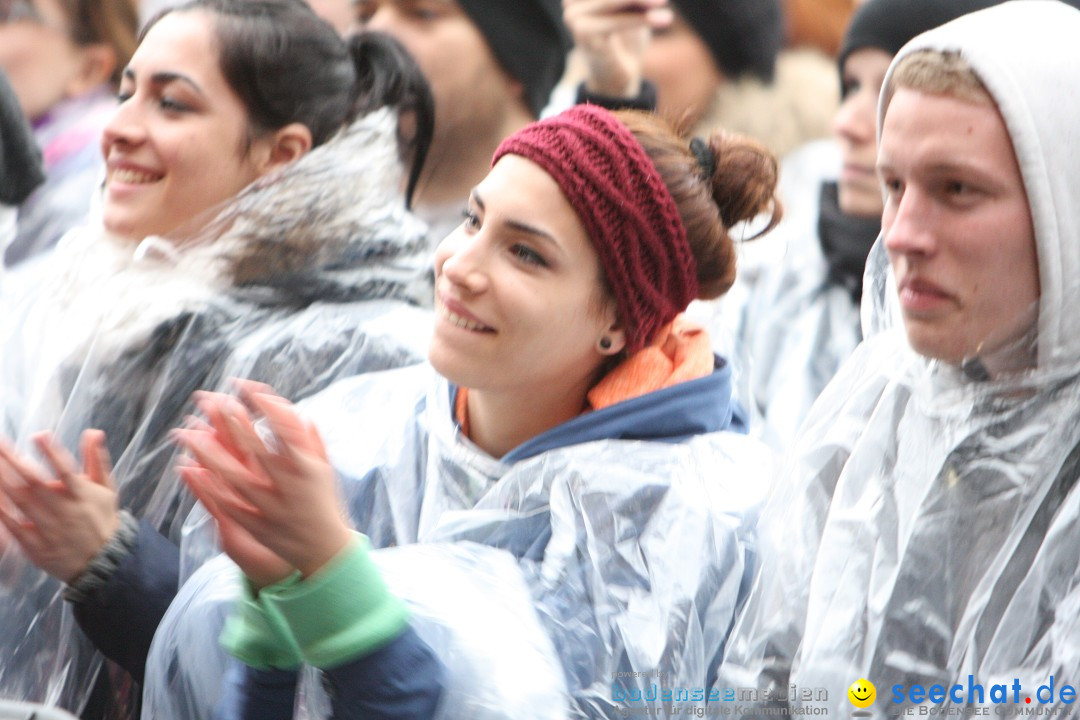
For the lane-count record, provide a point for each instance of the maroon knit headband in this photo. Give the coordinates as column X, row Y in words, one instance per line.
column 626, row 209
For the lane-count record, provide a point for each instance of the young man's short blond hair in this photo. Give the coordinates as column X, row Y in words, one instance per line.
column 941, row 73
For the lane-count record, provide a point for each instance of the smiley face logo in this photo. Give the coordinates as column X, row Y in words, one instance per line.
column 862, row 693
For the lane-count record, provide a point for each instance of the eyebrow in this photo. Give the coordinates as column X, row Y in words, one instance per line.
column 164, row 78
column 520, row 226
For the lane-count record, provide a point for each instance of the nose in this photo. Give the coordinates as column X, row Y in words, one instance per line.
column 124, row 127
column 907, row 224
column 462, row 259
column 854, row 122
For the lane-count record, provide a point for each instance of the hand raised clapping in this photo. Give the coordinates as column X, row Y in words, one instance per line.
column 275, row 500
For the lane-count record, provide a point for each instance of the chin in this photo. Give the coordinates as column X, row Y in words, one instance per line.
column 447, row 365
column 934, row 348
column 859, row 202
column 126, row 231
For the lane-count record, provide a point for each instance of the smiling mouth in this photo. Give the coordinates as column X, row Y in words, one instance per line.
column 464, row 323
column 861, row 697
column 133, row 177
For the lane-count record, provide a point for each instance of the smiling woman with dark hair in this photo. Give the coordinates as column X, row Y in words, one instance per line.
column 256, row 230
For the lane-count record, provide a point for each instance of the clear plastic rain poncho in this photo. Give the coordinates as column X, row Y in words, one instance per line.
column 306, row 277
column 930, row 525
column 543, row 585
column 798, row 324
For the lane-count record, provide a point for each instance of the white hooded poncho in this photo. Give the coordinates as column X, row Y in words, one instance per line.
column 929, row 528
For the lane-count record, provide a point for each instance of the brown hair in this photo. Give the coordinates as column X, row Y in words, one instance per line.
column 742, row 186
column 106, row 22
column 941, row 73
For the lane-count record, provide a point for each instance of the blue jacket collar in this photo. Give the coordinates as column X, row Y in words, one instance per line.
column 671, row 415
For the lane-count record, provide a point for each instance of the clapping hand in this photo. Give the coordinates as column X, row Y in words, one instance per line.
column 276, row 501
column 61, row 517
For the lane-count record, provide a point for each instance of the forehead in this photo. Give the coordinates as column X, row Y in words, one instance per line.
column 524, row 192
column 928, row 130
column 181, row 42
column 867, row 60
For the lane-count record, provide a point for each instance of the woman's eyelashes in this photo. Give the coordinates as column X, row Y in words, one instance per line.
column 472, row 220
column 171, row 104
column 527, row 255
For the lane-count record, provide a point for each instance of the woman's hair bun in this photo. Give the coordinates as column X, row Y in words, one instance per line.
column 744, row 180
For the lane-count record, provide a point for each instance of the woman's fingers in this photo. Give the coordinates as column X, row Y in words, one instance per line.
column 36, row 499
column 59, row 460
column 97, row 465
column 20, row 529
column 290, row 430
column 255, row 492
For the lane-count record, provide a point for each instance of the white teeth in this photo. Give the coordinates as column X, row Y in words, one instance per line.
column 463, row 322
column 132, row 177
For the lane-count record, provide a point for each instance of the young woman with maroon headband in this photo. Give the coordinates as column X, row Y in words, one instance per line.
column 567, row 482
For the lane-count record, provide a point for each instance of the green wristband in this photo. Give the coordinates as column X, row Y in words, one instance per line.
column 256, row 633
column 342, row 612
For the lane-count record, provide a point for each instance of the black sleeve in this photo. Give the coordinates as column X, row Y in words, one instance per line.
column 403, row 679
column 122, row 617
column 644, row 100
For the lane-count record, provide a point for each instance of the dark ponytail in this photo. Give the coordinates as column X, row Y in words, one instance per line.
column 387, row 76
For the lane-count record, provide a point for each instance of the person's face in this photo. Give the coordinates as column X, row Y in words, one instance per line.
column 178, row 143
column 855, row 127
column 338, row 13
column 470, row 88
column 679, row 63
column 517, row 293
column 36, row 51
column 957, row 226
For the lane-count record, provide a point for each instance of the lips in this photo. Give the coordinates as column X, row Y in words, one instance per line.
column 131, row 174
column 921, row 296
column 857, row 173
column 457, row 315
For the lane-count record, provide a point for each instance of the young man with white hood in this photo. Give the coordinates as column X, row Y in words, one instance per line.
column 927, row 539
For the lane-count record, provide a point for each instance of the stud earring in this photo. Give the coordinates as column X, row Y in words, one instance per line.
column 605, row 343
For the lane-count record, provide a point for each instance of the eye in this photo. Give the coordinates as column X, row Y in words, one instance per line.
column 527, row 255
column 364, row 10
column 892, row 186
column 171, row 104
column 957, row 188
column 425, row 11
column 472, row 220
column 850, row 85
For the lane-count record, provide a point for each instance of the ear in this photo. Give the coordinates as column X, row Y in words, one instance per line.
column 95, row 67
column 284, row 146
column 613, row 341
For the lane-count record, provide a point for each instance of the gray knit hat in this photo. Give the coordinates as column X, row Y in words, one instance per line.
column 528, row 39
column 744, row 36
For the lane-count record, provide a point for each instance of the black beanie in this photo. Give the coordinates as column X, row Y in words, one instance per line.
column 20, row 159
column 889, row 24
column 528, row 39
column 744, row 36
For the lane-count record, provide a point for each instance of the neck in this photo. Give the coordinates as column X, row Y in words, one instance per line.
column 500, row 421
column 461, row 157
